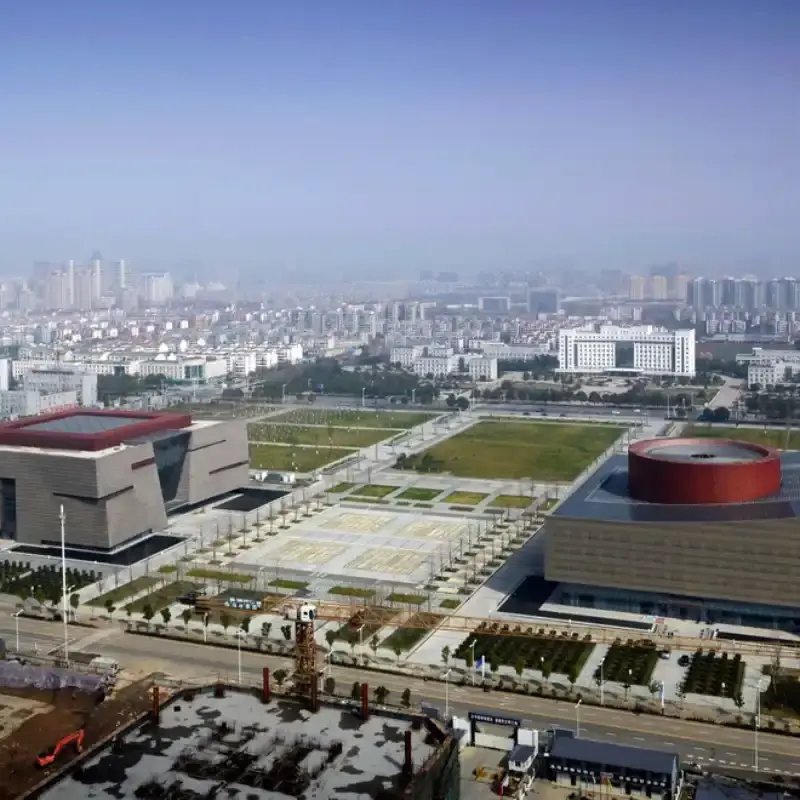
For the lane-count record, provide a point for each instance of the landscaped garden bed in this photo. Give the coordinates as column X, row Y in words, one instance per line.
column 10, row 571
column 511, row 501
column 353, row 635
column 44, row 584
column 465, row 498
column 715, row 675
column 408, row 599
column 419, row 493
column 406, row 638
column 351, row 591
column 162, row 598
column 220, row 576
column 374, row 490
column 116, row 596
column 630, row 664
column 285, row 583
column 564, row 655
column 341, row 488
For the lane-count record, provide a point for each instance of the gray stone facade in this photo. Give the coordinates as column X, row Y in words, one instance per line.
column 115, row 495
column 753, row 561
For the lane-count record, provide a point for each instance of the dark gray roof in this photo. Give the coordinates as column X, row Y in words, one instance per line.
column 603, row 496
column 84, row 423
column 620, row 756
column 522, row 752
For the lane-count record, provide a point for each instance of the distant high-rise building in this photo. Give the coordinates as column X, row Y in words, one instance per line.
column 97, row 279
column 120, row 279
column 679, row 288
column 71, row 283
column 658, row 287
column 157, row 287
column 636, row 287
column 544, row 300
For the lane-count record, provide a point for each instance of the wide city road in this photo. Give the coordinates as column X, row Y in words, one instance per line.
column 706, row 745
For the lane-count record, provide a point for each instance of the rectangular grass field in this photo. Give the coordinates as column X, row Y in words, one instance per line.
column 419, row 493
column 544, row 451
column 301, row 459
column 511, row 501
column 400, row 420
column 316, row 435
column 772, row 437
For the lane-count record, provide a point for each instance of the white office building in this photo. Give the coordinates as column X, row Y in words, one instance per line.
column 643, row 350
column 53, row 381
column 482, row 369
column 438, row 366
column 28, row 403
column 406, row 356
column 767, row 373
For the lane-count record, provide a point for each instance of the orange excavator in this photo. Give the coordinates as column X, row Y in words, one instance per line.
column 70, row 740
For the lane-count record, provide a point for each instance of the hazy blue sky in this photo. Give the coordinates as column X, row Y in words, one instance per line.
column 399, row 134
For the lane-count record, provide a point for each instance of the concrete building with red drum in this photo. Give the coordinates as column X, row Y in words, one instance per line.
column 702, row 471
column 697, row 528
column 117, row 474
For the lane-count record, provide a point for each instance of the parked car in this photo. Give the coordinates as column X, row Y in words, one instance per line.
column 684, row 661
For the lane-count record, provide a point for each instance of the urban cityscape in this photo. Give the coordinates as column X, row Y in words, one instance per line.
column 401, row 403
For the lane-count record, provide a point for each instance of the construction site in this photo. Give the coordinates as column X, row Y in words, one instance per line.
column 44, row 729
column 215, row 740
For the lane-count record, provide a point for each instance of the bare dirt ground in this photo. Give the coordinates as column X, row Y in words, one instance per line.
column 69, row 711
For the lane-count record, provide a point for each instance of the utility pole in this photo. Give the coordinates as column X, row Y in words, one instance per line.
column 62, row 519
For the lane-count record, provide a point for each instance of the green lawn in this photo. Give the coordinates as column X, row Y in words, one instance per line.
column 772, row 437
column 404, row 639
column 544, row 451
column 465, row 498
column 408, row 599
column 400, row 420
column 374, row 490
column 300, row 459
column 285, row 583
column 511, row 501
column 316, row 435
column 164, row 597
column 220, row 575
column 341, row 488
column 419, row 493
column 124, row 592
column 351, row 591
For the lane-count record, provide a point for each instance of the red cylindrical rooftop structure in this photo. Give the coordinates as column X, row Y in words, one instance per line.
column 701, row 471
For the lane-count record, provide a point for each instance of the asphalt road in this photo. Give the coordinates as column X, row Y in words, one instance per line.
column 725, row 748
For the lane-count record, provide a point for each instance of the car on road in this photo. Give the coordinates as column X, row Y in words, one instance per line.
column 683, row 661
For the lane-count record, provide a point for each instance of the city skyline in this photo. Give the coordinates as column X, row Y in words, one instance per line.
column 278, row 138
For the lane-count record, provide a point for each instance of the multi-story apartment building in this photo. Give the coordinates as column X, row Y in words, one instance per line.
column 640, row 349
column 482, row 368
column 438, row 366
column 63, row 380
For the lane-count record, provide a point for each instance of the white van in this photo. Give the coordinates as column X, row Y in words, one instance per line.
column 104, row 666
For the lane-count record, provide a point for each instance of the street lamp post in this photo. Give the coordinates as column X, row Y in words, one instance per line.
column 756, row 724
column 239, row 655
column 578, row 718
column 62, row 520
column 472, row 647
column 602, row 689
column 446, row 696
column 16, row 625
